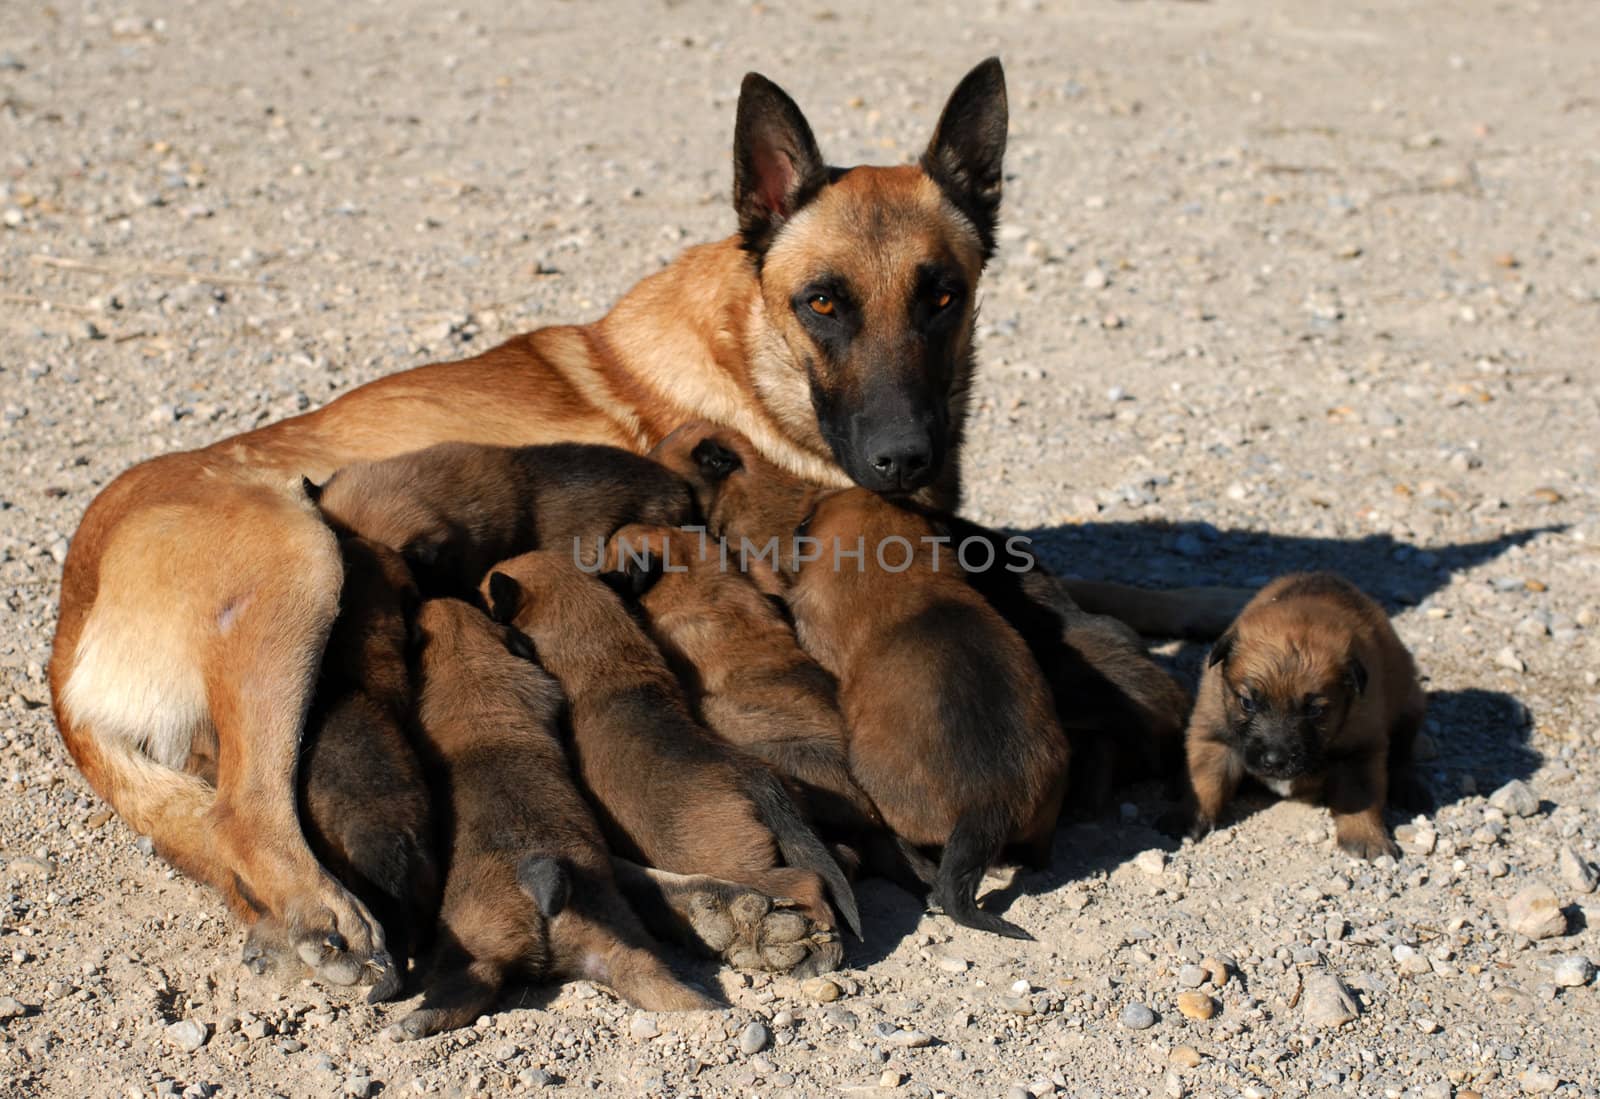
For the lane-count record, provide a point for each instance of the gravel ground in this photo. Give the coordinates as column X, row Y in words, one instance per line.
column 1282, row 284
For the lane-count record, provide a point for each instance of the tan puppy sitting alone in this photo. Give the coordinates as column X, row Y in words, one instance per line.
column 1311, row 693
column 529, row 891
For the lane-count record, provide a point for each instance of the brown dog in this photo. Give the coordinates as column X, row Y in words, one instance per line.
column 529, row 890
column 1122, row 712
column 455, row 509
column 669, row 793
column 952, row 730
column 363, row 801
column 1310, row 693
column 741, row 665
column 834, row 329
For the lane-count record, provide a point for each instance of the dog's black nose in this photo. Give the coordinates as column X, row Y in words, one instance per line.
column 901, row 460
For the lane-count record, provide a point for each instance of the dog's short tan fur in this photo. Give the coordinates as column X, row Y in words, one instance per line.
column 200, row 586
column 951, row 726
column 363, row 801
column 668, row 792
column 1312, row 693
column 456, row 508
column 529, row 890
column 742, row 666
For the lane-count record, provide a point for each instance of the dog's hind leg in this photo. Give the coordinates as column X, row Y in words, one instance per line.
column 260, row 665
column 195, row 607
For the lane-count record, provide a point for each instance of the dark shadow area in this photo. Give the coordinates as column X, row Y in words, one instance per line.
column 1188, row 554
column 1481, row 742
column 1480, row 735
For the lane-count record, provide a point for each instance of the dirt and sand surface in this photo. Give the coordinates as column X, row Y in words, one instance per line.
column 1282, row 284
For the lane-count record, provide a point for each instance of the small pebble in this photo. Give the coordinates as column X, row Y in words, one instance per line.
column 1576, row 871
column 754, row 1038
column 1573, row 971
column 1196, row 1005
column 187, row 1035
column 644, row 1026
column 1515, row 798
column 358, row 1087
column 1535, row 1082
column 1185, row 1057
column 821, row 989
column 1536, row 912
column 891, row 1078
column 1192, row 976
column 1137, row 1017
column 1326, row 1002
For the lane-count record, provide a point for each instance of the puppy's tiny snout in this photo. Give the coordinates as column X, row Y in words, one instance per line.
column 1273, row 757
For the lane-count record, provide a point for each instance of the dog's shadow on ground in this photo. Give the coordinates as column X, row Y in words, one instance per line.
column 1478, row 739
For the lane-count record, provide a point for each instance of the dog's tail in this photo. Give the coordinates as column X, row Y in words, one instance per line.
column 799, row 844
column 976, row 841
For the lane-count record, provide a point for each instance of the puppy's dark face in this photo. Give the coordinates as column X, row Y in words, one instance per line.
column 1284, row 703
column 742, row 495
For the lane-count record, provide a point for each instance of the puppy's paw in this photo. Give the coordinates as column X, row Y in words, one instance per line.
column 1369, row 846
column 1182, row 824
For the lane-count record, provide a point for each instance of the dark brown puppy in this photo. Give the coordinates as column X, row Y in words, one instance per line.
column 741, row 665
column 669, row 793
column 529, row 890
column 1311, row 693
column 454, row 509
column 952, row 729
column 363, row 801
column 1123, row 713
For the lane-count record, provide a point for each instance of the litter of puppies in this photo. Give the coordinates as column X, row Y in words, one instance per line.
column 637, row 677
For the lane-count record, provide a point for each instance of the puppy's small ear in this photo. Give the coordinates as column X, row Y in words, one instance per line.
column 714, row 460
column 546, row 881
column 505, row 598
column 520, row 645
column 422, row 554
column 1223, row 649
column 312, row 490
column 1356, row 671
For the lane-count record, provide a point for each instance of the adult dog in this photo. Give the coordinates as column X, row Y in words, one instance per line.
column 834, row 330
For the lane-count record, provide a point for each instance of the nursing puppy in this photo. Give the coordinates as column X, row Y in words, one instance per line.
column 454, row 509
column 529, row 892
column 669, row 793
column 741, row 665
column 1122, row 712
column 363, row 801
column 952, row 729
column 1311, row 693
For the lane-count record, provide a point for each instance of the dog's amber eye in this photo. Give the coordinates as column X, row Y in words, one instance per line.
column 821, row 305
column 1247, row 702
column 942, row 300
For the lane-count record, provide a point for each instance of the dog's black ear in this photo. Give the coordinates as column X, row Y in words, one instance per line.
column 964, row 158
column 1357, row 673
column 312, row 490
column 715, row 460
column 505, row 597
column 547, row 882
column 520, row 645
column 777, row 167
column 1223, row 648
